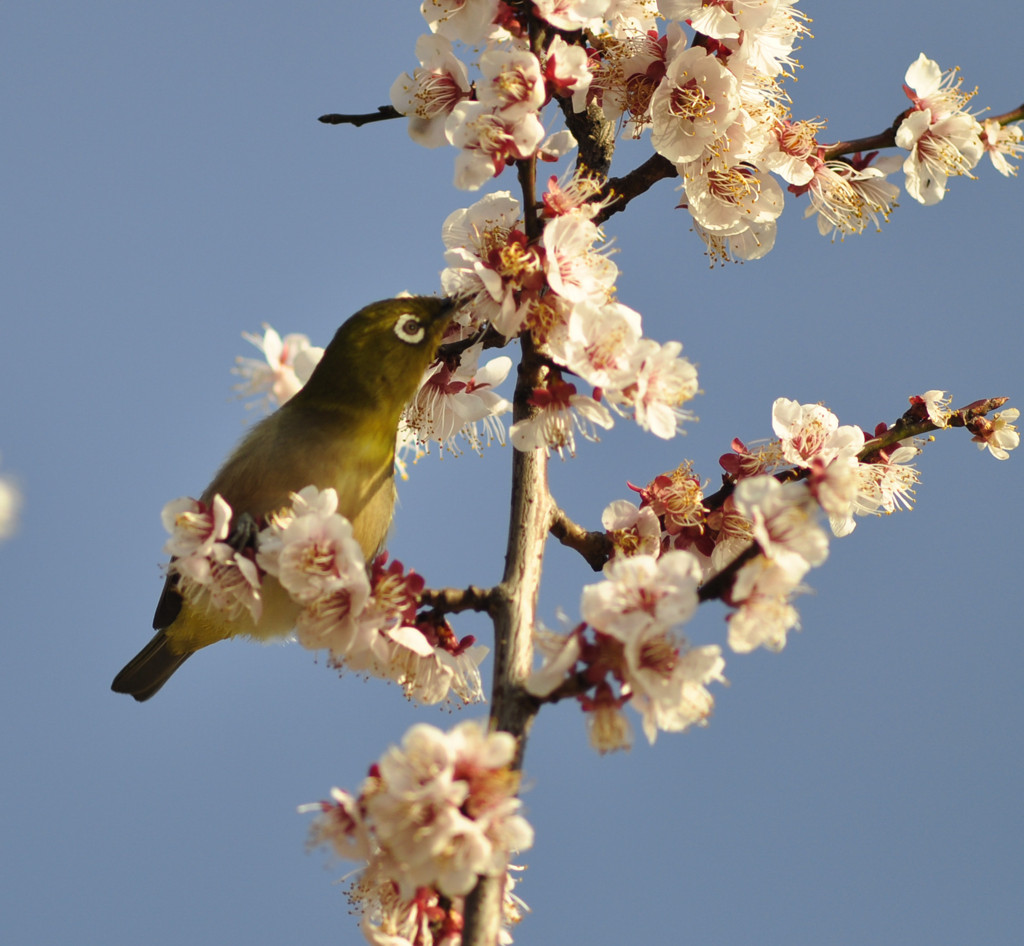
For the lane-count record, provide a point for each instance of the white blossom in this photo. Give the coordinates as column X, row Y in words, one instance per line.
column 642, row 591
column 428, row 96
column 288, row 364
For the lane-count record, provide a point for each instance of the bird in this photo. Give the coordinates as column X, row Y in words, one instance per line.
column 338, row 431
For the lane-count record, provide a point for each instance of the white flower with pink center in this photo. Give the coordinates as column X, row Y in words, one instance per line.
column 767, row 50
column 928, row 87
column 223, row 579
column 998, row 435
column 846, row 198
column 718, row 19
column 342, row 826
column 453, row 402
column 469, row 21
column 512, row 82
column 632, row 530
column 693, row 106
column 598, row 342
column 488, row 140
column 943, row 139
column 811, row 431
column 314, row 554
column 489, row 261
column 443, row 808
column 641, row 592
column 938, row 149
column 887, row 483
column 195, row 527
column 1002, row 142
column 572, row 14
column 667, row 681
column 783, row 520
column 664, row 382
column 561, row 412
column 575, row 270
column 791, row 150
column 729, row 199
column 288, row 364
column 428, row 96
column 567, row 71
column 630, row 68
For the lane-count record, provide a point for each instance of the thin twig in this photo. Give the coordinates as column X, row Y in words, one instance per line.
column 912, row 425
column 455, row 600
column 887, row 138
column 595, row 547
column 383, row 113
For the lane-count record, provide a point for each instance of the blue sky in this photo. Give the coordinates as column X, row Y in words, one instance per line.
column 167, row 187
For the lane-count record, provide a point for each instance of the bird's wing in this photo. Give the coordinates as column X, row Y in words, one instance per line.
column 169, row 605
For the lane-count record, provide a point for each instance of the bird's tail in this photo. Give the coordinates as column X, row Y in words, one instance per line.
column 150, row 669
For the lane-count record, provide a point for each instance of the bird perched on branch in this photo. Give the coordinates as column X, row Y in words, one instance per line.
column 337, row 432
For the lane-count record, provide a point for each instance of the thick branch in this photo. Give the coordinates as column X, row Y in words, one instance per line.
column 594, row 135
column 515, row 599
column 514, row 608
column 641, row 179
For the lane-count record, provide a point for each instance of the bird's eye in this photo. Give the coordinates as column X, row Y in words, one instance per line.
column 409, row 329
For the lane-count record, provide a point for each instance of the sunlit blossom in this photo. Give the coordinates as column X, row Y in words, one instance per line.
column 632, row 530
column 439, row 812
column 998, row 434
column 560, row 414
column 457, row 402
column 428, row 96
column 1002, row 142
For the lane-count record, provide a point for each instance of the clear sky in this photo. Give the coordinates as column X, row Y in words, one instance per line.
column 166, row 187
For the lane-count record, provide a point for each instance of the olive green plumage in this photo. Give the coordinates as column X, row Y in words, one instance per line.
column 339, row 432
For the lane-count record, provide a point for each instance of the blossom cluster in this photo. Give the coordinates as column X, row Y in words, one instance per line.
column 366, row 619
column 628, row 651
column 761, row 530
column 713, row 101
column 432, row 817
column 562, row 290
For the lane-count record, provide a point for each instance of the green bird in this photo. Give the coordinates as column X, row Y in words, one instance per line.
column 338, row 431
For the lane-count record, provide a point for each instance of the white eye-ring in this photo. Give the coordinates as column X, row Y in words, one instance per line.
column 409, row 329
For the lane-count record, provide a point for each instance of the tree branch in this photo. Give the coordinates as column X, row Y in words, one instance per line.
column 383, row 113
column 622, row 190
column 514, row 608
column 594, row 135
column 595, row 547
column 912, row 425
column 455, row 600
column 887, row 138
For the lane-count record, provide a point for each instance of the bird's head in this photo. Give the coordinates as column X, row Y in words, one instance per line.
column 379, row 355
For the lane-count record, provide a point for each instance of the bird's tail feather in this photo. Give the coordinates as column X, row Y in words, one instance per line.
column 149, row 670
